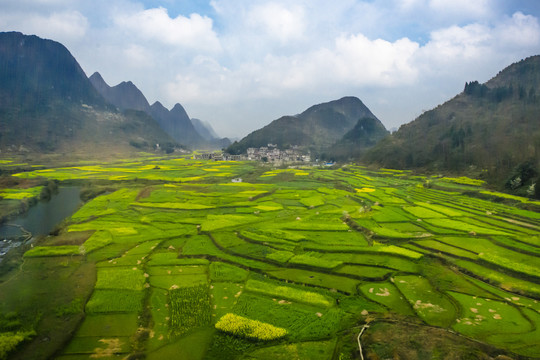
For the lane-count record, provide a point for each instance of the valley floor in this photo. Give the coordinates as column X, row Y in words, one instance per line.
column 172, row 259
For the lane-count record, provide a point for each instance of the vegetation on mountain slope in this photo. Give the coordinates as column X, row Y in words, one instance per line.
column 490, row 128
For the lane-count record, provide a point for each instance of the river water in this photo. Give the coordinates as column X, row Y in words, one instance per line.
column 41, row 218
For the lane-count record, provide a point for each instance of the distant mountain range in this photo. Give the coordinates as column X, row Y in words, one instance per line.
column 204, row 129
column 491, row 128
column 175, row 122
column 47, row 104
column 316, row 129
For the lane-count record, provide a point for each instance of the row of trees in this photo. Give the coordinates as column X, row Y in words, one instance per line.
column 498, row 94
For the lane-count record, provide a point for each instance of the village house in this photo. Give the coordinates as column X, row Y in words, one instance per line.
column 270, row 153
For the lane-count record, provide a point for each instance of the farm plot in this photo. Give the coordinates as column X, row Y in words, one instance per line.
column 289, row 293
column 189, row 309
column 388, row 295
column 315, row 350
column 224, row 296
column 297, row 257
column 159, row 310
column 301, row 322
column 120, row 278
column 174, row 278
column 251, row 329
column 364, row 272
column 113, row 301
column 481, row 318
column 89, row 346
column 220, row 271
column 318, row 279
column 104, row 333
column 430, row 305
column 333, row 238
column 526, row 343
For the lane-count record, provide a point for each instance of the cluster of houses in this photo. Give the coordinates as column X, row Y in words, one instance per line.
column 219, row 156
column 270, row 153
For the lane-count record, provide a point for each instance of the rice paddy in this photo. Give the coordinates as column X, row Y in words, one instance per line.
column 289, row 263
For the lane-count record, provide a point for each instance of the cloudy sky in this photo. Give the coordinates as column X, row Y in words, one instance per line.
column 240, row 64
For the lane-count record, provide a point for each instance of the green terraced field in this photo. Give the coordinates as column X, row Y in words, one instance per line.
column 173, row 259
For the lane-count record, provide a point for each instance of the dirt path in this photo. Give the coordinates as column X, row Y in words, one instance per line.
column 358, row 339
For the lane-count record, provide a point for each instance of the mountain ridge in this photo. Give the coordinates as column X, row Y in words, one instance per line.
column 316, row 128
column 366, row 133
column 491, row 128
column 47, row 104
column 174, row 122
column 204, row 129
column 124, row 96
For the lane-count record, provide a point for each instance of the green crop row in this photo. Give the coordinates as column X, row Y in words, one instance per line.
column 310, row 277
column 280, row 256
column 289, row 293
column 504, row 281
column 463, row 226
column 511, row 264
column 220, row 271
column 19, row 194
column 103, row 301
column 171, row 258
column 464, row 180
column 62, row 250
column 311, row 259
column 120, row 278
column 448, row 249
column 214, row 222
column 98, row 240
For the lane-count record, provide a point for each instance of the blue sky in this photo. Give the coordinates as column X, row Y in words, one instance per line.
column 241, row 63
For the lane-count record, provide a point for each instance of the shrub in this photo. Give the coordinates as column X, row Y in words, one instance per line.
column 9, row 341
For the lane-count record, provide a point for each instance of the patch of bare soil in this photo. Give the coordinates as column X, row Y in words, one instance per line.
column 144, row 193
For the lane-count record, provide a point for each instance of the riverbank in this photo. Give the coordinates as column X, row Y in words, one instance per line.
column 35, row 220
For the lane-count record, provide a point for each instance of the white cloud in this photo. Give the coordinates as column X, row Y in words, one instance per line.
column 284, row 23
column 473, row 47
column 352, row 61
column 193, row 32
column 467, row 42
column 59, row 26
column 379, row 62
column 519, row 31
